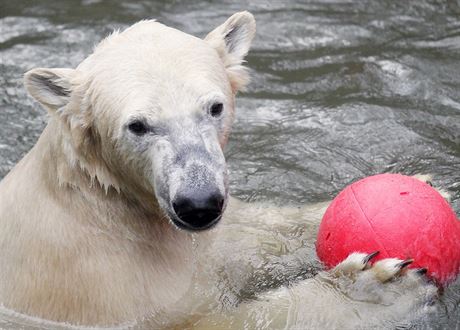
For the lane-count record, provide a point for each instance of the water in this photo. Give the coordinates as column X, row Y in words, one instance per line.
column 340, row 90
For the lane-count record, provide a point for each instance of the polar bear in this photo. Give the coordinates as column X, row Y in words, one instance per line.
column 117, row 213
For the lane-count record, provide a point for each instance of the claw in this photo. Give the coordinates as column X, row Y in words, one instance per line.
column 370, row 256
column 387, row 269
column 353, row 263
column 427, row 178
column 421, row 271
column 404, row 263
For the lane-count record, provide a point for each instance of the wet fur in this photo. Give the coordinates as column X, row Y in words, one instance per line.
column 86, row 237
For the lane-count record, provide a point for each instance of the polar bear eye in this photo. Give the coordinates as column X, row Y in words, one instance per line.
column 138, row 127
column 216, row 109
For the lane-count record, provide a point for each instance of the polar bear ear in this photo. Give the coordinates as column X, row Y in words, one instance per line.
column 232, row 41
column 50, row 87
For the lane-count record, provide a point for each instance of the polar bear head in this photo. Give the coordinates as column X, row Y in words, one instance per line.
column 149, row 112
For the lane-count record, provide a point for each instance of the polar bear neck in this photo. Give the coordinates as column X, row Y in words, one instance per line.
column 79, row 237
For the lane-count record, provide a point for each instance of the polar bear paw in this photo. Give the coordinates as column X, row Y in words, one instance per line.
column 428, row 179
column 381, row 282
column 383, row 270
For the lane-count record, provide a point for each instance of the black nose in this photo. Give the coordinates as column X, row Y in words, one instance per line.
column 198, row 210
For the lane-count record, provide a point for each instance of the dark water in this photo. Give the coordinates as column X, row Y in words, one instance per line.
column 341, row 89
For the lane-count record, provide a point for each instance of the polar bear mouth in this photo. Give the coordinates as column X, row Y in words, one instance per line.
column 197, row 223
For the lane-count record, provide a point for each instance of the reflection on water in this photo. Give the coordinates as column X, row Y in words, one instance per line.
column 340, row 90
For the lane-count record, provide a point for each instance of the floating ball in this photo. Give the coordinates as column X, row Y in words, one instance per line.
column 397, row 215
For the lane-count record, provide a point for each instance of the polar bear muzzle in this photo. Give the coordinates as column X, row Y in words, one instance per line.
column 190, row 176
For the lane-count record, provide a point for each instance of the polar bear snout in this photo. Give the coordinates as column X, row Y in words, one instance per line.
column 198, row 210
column 190, row 177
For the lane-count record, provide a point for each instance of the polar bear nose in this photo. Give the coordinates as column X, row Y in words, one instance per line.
column 198, row 210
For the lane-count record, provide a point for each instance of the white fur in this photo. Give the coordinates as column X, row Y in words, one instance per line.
column 85, row 231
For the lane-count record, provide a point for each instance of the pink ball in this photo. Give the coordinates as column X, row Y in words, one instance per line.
column 397, row 215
